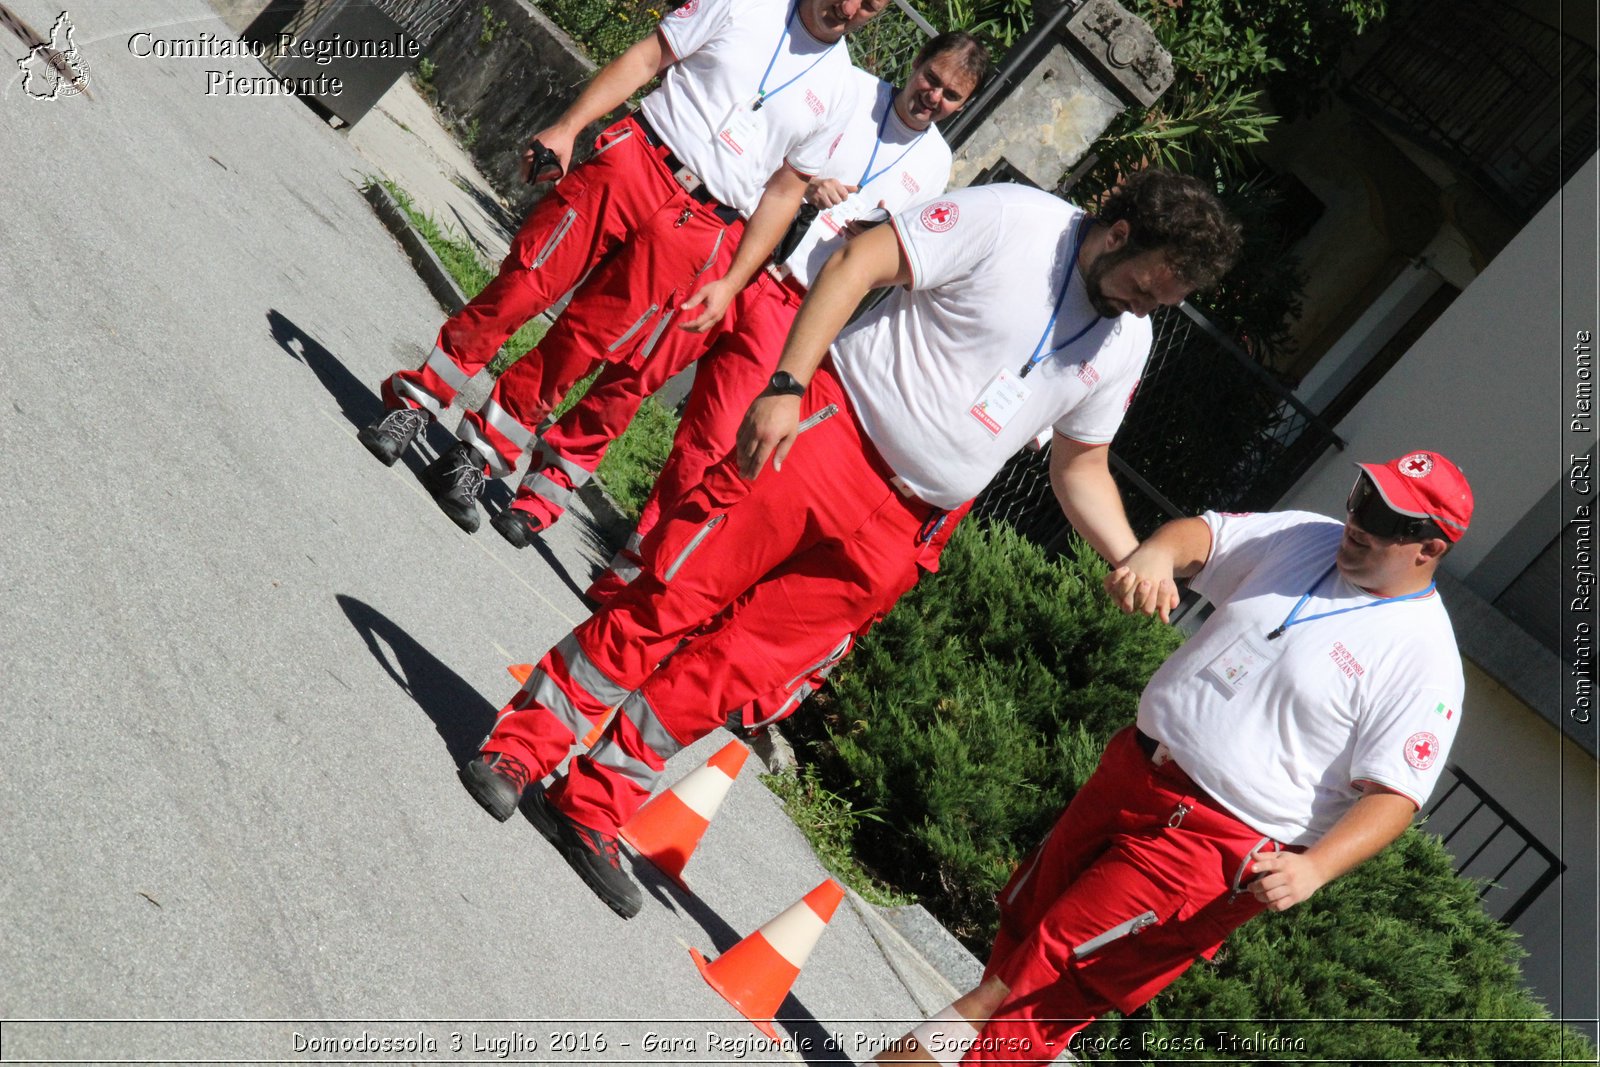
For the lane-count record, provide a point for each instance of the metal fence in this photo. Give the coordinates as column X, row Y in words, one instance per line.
column 1208, row 428
column 606, row 28
column 1489, row 844
column 1507, row 97
column 422, row 20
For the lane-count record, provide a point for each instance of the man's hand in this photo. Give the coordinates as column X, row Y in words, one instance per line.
column 712, row 300
column 825, row 193
column 1284, row 879
column 1145, row 583
column 769, row 429
column 556, row 138
column 857, row 227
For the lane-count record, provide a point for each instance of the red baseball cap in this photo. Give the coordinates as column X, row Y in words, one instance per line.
column 1425, row 485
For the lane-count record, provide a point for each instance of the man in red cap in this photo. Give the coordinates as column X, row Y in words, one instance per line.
column 1290, row 739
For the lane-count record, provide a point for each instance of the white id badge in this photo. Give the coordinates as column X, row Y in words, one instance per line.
column 1000, row 400
column 852, row 207
column 740, row 132
column 1241, row 661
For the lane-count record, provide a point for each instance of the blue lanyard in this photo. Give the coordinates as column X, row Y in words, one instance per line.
column 761, row 90
column 1039, row 353
column 867, row 173
column 1293, row 618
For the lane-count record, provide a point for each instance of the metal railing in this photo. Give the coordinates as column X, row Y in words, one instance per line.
column 1515, row 866
column 1208, row 428
column 1508, row 98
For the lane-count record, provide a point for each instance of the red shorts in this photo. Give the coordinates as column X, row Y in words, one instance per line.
column 1142, row 874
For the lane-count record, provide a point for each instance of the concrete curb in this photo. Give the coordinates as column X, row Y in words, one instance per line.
column 428, row 265
column 930, row 989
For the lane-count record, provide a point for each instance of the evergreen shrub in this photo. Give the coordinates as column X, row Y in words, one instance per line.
column 971, row 714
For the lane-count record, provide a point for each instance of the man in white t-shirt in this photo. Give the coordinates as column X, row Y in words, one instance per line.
column 890, row 154
column 679, row 205
column 1018, row 311
column 1290, row 739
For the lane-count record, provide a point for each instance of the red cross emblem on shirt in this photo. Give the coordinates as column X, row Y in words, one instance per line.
column 941, row 216
column 1422, row 749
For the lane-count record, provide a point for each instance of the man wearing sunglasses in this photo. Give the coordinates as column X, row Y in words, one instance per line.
column 1289, row 740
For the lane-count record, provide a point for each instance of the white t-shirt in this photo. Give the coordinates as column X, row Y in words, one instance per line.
column 723, row 48
column 902, row 168
column 987, row 267
column 1369, row 695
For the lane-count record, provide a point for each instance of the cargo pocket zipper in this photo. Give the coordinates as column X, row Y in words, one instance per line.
column 1116, row 933
column 555, row 238
column 635, row 328
column 694, row 543
column 820, row 415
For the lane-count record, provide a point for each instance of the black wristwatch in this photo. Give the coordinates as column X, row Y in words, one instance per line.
column 785, row 384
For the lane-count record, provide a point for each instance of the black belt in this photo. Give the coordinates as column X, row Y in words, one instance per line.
column 700, row 194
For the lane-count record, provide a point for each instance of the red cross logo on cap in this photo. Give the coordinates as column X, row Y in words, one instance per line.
column 1421, row 750
column 941, row 216
column 1416, row 465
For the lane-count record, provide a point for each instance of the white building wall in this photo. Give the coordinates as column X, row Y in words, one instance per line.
column 1483, row 386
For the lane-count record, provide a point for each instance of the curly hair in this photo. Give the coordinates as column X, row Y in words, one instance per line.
column 1180, row 216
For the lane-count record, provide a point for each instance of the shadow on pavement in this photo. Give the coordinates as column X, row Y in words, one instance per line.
column 506, row 221
column 460, row 714
column 357, row 402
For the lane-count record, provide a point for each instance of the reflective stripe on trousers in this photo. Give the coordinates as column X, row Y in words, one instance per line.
column 440, row 366
column 612, row 754
column 497, row 418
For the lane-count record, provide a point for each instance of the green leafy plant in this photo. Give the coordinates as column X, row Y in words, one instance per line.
column 492, row 27
column 829, row 824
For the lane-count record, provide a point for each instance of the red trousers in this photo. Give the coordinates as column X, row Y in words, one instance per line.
column 1141, row 874
column 757, row 583
column 621, row 225
column 742, row 356
column 736, row 359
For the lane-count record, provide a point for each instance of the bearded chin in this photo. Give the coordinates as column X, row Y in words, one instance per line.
column 1098, row 301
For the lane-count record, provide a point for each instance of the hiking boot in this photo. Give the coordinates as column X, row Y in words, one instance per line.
column 517, row 526
column 595, row 856
column 455, row 479
column 496, row 781
column 390, row 436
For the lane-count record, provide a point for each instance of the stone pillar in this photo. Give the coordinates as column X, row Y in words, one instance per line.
column 1058, row 90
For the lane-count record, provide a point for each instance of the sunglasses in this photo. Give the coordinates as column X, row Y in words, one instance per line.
column 1367, row 510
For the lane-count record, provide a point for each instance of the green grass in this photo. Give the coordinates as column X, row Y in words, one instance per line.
column 461, row 259
column 829, row 823
column 630, row 467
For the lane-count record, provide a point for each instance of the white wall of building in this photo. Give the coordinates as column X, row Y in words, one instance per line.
column 1483, row 386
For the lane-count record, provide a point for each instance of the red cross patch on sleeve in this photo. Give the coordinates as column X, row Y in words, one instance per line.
column 1422, row 748
column 941, row 216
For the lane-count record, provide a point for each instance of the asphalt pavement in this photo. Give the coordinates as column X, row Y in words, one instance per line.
column 242, row 659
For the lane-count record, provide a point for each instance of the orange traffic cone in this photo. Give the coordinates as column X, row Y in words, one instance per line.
column 755, row 975
column 666, row 830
